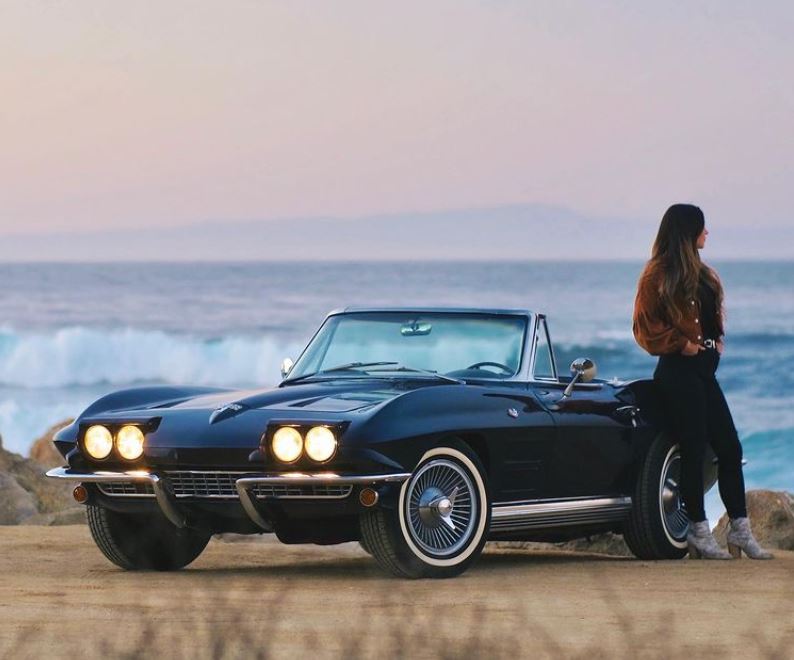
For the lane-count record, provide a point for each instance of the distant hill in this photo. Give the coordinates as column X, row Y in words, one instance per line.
column 527, row 231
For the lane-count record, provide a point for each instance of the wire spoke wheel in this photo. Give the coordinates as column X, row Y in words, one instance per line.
column 671, row 504
column 440, row 508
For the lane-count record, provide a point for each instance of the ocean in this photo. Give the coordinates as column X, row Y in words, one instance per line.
column 72, row 332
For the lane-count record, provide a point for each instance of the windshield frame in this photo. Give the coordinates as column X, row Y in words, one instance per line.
column 525, row 357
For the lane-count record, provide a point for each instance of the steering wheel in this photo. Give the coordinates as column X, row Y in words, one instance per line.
column 498, row 365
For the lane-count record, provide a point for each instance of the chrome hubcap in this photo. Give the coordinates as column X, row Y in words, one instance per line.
column 673, row 509
column 440, row 507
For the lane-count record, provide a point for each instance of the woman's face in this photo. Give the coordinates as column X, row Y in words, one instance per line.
column 701, row 240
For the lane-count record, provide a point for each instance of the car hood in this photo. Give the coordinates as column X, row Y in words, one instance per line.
column 235, row 419
column 336, row 397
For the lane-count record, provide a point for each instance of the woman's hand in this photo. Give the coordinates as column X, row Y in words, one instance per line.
column 692, row 349
column 720, row 346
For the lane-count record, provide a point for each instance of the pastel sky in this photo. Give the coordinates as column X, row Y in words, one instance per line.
column 119, row 115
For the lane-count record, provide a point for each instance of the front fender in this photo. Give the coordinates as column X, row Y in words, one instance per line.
column 128, row 399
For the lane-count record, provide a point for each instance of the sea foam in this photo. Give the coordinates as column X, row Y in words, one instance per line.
column 78, row 356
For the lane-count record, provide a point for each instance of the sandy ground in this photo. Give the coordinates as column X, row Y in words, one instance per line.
column 259, row 598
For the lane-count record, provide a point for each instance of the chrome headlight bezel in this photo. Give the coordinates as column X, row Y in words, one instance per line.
column 115, row 429
column 302, row 428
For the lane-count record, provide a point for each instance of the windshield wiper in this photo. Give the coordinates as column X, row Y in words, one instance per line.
column 342, row 367
column 426, row 372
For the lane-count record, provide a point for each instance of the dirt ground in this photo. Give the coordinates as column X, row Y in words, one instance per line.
column 59, row 596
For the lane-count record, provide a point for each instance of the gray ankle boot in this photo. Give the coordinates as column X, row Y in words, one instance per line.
column 740, row 537
column 702, row 545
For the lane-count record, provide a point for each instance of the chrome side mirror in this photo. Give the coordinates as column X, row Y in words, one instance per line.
column 583, row 370
column 286, row 366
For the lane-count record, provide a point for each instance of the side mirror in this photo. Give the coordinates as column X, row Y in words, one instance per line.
column 286, row 366
column 583, row 370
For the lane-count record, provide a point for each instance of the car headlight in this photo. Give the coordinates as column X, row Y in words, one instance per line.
column 287, row 444
column 129, row 442
column 320, row 443
column 98, row 441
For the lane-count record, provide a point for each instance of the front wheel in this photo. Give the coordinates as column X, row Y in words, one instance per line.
column 141, row 542
column 658, row 523
column 440, row 523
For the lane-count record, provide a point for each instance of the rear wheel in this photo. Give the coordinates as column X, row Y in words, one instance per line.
column 140, row 542
column 658, row 523
column 441, row 520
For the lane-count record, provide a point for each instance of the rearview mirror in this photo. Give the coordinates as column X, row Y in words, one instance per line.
column 583, row 370
column 286, row 366
column 415, row 328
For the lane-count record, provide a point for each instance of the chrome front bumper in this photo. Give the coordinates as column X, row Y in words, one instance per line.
column 171, row 509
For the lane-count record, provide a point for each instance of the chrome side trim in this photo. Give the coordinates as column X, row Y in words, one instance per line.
column 164, row 498
column 537, row 514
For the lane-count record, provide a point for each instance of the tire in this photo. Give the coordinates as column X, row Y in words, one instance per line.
column 657, row 525
column 144, row 542
column 363, row 543
column 440, row 522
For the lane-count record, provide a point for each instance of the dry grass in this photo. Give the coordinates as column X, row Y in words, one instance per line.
column 245, row 624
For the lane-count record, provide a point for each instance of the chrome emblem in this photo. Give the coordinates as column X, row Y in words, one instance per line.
column 512, row 412
column 226, row 410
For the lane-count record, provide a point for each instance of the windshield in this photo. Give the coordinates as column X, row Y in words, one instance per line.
column 391, row 343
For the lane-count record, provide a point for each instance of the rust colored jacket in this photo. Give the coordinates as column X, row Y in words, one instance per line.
column 654, row 330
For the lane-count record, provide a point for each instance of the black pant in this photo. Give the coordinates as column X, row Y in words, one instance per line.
column 699, row 413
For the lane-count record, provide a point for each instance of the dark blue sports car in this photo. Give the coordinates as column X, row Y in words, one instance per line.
column 421, row 433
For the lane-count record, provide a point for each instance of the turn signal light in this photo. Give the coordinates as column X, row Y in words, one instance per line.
column 80, row 494
column 368, row 497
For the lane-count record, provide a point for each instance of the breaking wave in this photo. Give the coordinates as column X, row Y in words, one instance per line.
column 79, row 356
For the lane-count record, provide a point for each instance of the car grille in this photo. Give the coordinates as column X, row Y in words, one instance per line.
column 330, row 491
column 203, row 485
column 126, row 488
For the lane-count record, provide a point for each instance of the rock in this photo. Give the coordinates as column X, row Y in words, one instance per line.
column 771, row 516
column 49, row 495
column 16, row 504
column 230, row 537
column 603, row 544
column 44, row 452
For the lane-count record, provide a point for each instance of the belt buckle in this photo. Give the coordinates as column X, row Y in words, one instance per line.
column 710, row 343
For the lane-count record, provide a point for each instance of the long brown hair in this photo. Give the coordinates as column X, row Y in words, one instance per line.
column 676, row 255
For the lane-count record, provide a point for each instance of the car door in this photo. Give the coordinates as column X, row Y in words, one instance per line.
column 591, row 452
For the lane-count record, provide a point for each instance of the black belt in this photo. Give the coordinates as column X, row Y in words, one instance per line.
column 710, row 343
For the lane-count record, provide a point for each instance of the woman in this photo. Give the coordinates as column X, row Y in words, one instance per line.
column 678, row 316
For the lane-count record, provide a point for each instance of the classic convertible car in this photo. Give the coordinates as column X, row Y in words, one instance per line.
column 421, row 433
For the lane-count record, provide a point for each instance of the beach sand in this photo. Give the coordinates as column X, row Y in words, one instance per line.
column 59, row 596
